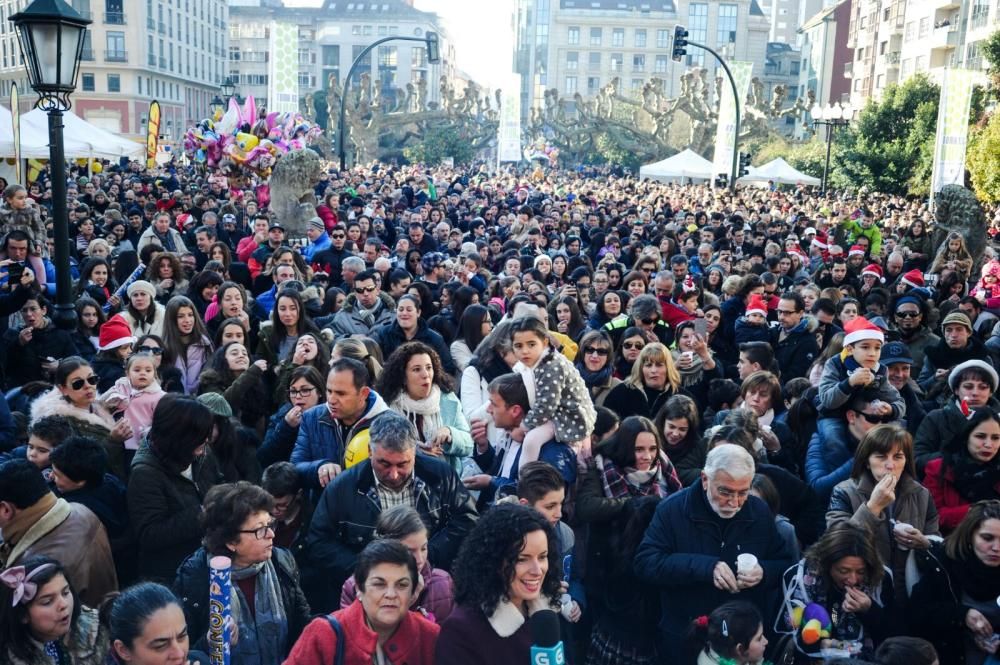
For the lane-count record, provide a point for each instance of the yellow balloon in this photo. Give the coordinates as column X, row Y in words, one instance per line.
column 246, row 142
column 81, row 161
column 357, row 450
column 96, row 167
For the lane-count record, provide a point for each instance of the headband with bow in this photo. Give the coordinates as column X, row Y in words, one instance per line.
column 19, row 581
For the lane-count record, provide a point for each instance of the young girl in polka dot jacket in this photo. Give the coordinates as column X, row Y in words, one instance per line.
column 561, row 408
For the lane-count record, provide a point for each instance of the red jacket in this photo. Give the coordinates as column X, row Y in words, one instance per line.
column 951, row 505
column 412, row 644
column 674, row 314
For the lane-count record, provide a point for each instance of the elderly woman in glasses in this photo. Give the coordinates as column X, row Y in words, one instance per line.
column 596, row 364
column 75, row 397
column 269, row 608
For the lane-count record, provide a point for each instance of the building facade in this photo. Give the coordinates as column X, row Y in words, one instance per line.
column 136, row 51
column 827, row 60
column 787, row 16
column 330, row 37
column 580, row 46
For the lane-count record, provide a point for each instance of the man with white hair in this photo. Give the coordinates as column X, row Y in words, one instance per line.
column 711, row 543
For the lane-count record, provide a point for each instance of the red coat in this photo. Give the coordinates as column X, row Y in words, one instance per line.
column 951, row 505
column 412, row 644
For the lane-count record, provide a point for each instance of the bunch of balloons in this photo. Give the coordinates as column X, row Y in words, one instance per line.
column 243, row 142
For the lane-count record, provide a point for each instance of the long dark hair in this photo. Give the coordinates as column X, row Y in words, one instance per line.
column 181, row 425
column 15, row 634
column 174, row 346
column 470, row 327
column 619, row 448
column 83, row 302
column 486, row 561
column 973, row 480
column 302, row 326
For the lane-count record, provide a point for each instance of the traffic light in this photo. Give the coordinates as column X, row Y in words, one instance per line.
column 680, row 42
column 744, row 168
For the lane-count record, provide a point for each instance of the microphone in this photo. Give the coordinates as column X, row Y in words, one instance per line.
column 546, row 648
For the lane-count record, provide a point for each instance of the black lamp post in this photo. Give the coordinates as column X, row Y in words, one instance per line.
column 833, row 116
column 228, row 89
column 51, row 36
column 433, row 46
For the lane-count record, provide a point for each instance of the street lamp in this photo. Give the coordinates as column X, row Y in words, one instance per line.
column 228, row 88
column 431, row 43
column 831, row 116
column 51, row 35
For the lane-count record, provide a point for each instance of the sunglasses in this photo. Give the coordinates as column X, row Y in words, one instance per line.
column 593, row 350
column 634, row 345
column 366, row 289
column 650, row 322
column 79, row 383
column 155, row 350
column 336, row 236
column 907, row 315
column 875, row 420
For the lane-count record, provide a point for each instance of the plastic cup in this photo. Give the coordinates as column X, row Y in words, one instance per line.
column 745, row 563
column 901, row 528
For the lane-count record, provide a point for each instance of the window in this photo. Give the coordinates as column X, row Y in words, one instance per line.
column 594, row 63
column 640, row 39
column 636, row 85
column 906, row 68
column 880, row 81
column 638, row 62
column 925, row 27
column 115, row 45
column 595, row 36
column 660, row 66
column 794, row 68
column 618, row 37
column 356, row 30
column 980, row 14
column 726, row 27
column 114, row 83
column 573, row 36
column 911, row 31
column 570, row 85
column 87, row 82
column 697, row 32
column 572, row 60
column 616, row 62
column 593, row 85
column 921, row 63
column 662, row 39
column 418, row 56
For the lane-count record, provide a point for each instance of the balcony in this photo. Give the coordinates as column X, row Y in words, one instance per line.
column 151, row 60
column 114, row 18
column 163, row 62
column 848, row 70
column 87, row 54
column 116, row 56
column 944, row 37
column 892, row 59
column 945, row 4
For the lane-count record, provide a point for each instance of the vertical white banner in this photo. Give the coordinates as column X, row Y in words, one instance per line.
column 283, row 70
column 725, row 132
column 952, row 128
column 509, row 133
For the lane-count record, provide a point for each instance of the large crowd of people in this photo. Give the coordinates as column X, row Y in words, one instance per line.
column 469, row 414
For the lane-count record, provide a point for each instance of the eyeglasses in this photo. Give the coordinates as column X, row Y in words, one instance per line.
column 338, row 236
column 303, row 392
column 787, row 312
column 633, row 345
column 261, row 532
column 875, row 419
column 76, row 384
column 366, row 289
column 593, row 350
column 727, row 493
column 155, row 350
column 650, row 322
column 907, row 315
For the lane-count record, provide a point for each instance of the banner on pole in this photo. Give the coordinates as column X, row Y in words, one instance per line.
column 725, row 132
column 15, row 115
column 152, row 133
column 509, row 133
column 283, row 74
column 952, row 128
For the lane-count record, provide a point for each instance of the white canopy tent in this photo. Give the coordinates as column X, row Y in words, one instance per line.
column 81, row 139
column 781, row 172
column 33, row 146
column 686, row 164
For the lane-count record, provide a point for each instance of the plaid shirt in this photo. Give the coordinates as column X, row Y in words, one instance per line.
column 405, row 496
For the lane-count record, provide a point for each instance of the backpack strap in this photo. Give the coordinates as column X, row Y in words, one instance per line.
column 338, row 631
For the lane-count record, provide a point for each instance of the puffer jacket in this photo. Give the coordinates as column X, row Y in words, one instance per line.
column 353, row 320
column 390, row 337
column 191, row 586
column 24, row 362
column 344, row 522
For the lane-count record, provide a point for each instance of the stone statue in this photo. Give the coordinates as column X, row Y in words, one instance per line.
column 293, row 201
column 957, row 209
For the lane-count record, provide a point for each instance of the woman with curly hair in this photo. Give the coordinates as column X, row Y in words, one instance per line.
column 507, row 569
column 415, row 384
column 167, row 275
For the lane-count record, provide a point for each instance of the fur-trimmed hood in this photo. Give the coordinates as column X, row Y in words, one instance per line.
column 507, row 619
column 53, row 403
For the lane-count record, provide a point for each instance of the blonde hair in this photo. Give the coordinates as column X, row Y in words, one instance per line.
column 352, row 347
column 654, row 353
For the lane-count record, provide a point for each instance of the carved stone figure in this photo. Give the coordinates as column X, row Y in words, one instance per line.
column 293, row 201
column 957, row 209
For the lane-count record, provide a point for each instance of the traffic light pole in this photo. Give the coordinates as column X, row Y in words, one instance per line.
column 736, row 100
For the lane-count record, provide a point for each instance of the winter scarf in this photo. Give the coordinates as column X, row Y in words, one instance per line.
column 596, row 379
column 973, row 481
column 264, row 632
column 693, row 373
column 659, row 481
column 425, row 414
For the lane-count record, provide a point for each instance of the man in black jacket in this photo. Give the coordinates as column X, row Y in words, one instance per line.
column 344, row 521
column 795, row 347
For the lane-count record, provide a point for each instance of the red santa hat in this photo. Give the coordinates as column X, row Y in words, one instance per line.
column 875, row 270
column 914, row 278
column 756, row 305
column 819, row 244
column 856, row 250
column 861, row 329
column 114, row 333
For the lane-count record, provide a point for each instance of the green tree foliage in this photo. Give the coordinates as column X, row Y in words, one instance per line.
column 983, row 161
column 991, row 51
column 609, row 151
column 438, row 144
column 890, row 147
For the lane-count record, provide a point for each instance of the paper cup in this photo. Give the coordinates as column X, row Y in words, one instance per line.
column 900, row 528
column 745, row 563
